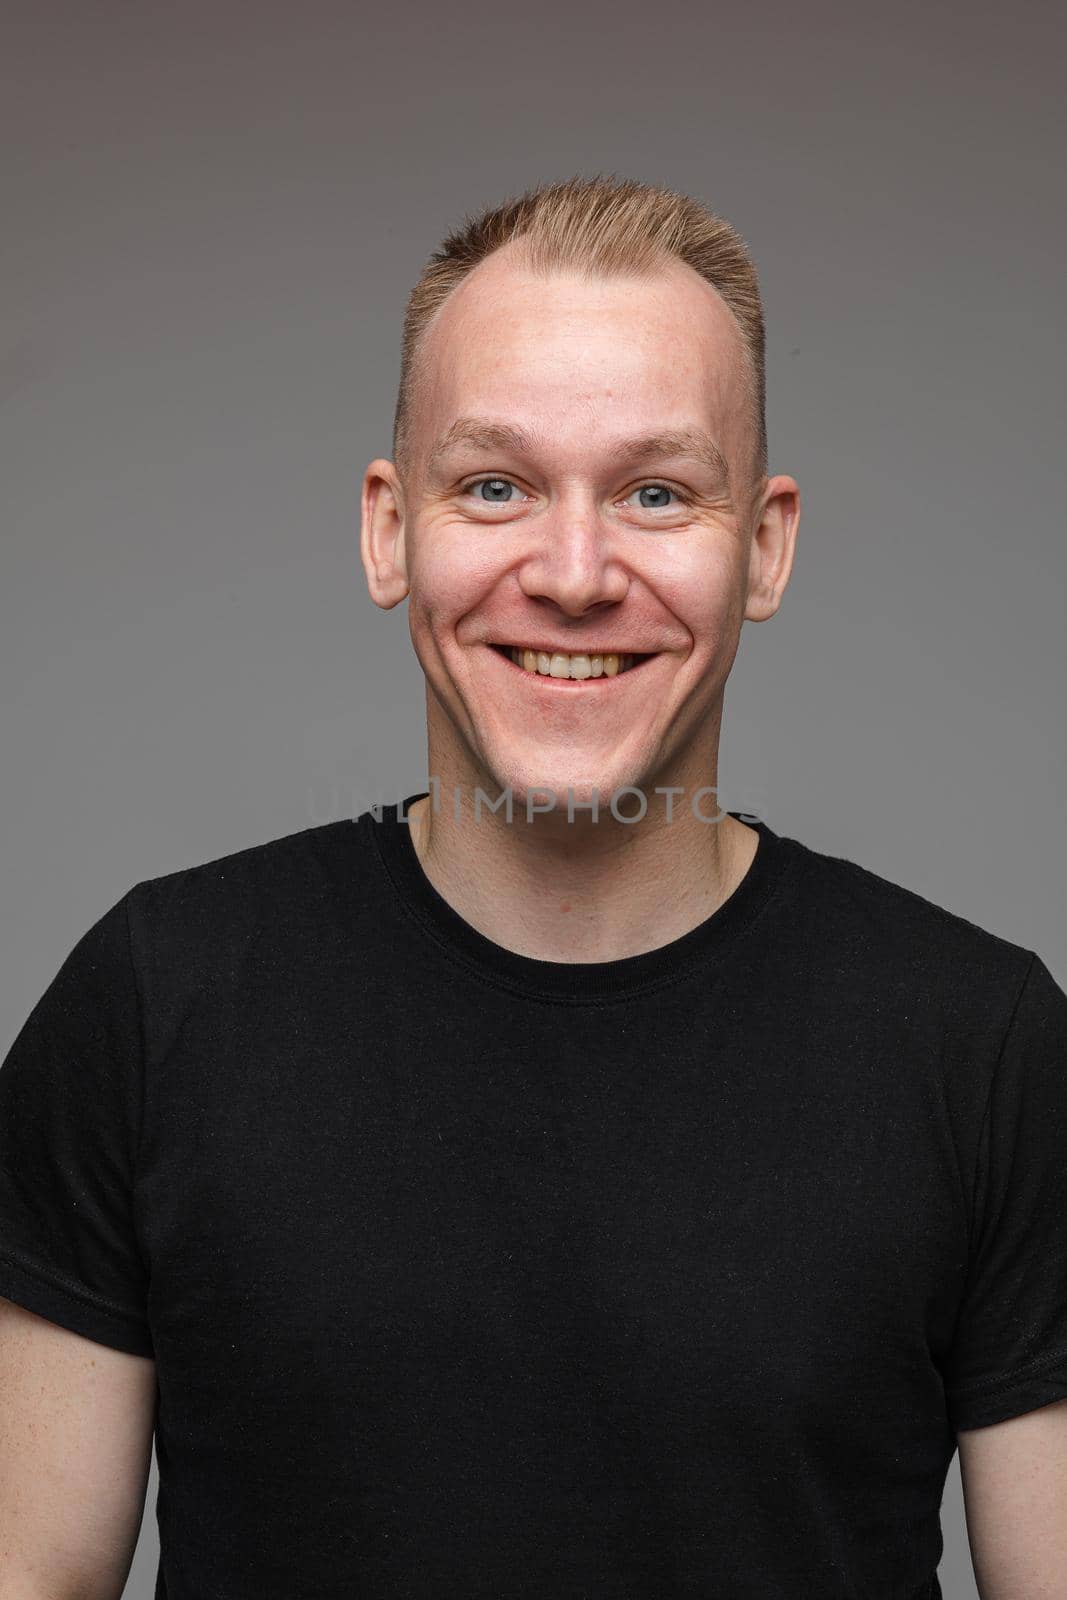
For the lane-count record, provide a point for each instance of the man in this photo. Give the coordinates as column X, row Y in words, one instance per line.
column 563, row 1189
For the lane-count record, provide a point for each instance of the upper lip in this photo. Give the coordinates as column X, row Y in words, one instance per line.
column 571, row 649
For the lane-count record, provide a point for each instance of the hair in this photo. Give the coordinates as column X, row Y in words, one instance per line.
column 603, row 226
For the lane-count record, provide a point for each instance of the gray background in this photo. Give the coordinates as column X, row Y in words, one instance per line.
column 213, row 215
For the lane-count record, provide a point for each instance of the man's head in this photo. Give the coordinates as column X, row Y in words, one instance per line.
column 543, row 345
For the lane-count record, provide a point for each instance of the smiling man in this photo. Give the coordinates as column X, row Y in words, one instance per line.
column 550, row 1185
column 578, row 517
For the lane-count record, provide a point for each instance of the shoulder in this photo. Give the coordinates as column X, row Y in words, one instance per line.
column 279, row 890
column 871, row 925
column 289, row 865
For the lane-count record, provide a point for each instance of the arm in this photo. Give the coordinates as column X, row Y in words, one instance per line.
column 76, row 1424
column 1014, row 1477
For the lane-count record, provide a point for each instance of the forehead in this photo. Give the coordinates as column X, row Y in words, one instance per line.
column 564, row 348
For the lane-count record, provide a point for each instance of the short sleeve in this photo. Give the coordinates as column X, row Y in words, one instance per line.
column 70, row 1106
column 1010, row 1345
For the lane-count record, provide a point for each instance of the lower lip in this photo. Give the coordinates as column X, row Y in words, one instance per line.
column 571, row 683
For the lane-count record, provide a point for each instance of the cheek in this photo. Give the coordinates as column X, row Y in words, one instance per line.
column 705, row 593
column 450, row 572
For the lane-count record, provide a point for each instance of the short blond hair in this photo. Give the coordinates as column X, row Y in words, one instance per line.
column 603, row 226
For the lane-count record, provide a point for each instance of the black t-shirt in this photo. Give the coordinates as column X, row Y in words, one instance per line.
column 473, row 1275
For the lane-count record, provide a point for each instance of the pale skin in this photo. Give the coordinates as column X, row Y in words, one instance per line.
column 1014, row 1479
column 579, row 557
column 76, row 1423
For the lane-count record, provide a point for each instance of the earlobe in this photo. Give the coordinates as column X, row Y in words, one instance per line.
column 381, row 541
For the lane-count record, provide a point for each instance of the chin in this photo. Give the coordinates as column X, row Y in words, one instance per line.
column 546, row 784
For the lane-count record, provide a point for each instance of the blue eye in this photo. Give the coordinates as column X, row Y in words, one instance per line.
column 656, row 489
column 494, row 484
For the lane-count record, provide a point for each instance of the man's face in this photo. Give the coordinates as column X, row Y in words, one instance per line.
column 540, row 511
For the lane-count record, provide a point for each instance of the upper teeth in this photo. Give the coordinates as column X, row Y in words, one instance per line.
column 559, row 665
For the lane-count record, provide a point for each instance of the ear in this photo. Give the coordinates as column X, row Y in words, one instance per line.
column 774, row 539
column 381, row 539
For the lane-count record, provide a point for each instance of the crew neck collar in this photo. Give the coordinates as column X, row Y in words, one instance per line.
column 575, row 982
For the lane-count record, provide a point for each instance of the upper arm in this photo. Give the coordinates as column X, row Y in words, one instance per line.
column 76, row 1423
column 1014, row 1477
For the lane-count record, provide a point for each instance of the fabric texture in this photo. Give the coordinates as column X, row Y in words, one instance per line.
column 467, row 1274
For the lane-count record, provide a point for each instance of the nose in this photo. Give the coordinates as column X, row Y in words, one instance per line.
column 575, row 562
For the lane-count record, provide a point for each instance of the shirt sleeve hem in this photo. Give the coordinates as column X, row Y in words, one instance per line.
column 37, row 1290
column 979, row 1406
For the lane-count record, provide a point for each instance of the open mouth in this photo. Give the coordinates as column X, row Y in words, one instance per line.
column 579, row 667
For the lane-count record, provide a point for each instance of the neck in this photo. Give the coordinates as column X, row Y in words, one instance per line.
column 582, row 891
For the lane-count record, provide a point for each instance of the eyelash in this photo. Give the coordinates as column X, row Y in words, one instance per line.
column 652, row 483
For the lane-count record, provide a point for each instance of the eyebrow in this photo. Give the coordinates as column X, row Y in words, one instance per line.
column 481, row 433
